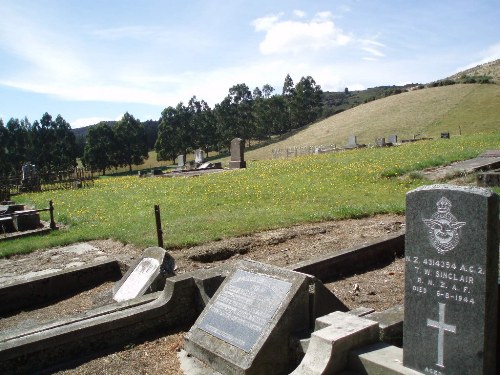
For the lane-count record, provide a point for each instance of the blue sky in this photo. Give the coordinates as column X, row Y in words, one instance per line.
column 95, row 60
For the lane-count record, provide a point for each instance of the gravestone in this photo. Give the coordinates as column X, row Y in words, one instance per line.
column 247, row 325
column 181, row 160
column 237, row 154
column 451, row 253
column 352, row 141
column 26, row 220
column 380, row 142
column 445, row 135
column 147, row 273
column 393, row 138
column 198, row 156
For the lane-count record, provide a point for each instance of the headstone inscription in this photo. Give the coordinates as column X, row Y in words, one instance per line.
column 451, row 295
column 247, row 325
column 237, row 154
column 148, row 272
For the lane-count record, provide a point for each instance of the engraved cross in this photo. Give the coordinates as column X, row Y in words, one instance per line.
column 442, row 328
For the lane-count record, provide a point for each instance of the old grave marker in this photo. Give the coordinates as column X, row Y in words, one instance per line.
column 451, row 280
column 198, row 156
column 237, row 154
column 147, row 271
column 247, row 325
column 393, row 138
column 181, row 160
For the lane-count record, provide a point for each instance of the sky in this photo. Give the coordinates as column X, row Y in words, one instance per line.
column 95, row 60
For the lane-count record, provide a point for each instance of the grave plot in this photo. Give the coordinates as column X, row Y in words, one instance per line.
column 351, row 346
column 18, row 221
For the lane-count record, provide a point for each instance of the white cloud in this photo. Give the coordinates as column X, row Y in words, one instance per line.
column 299, row 13
column 266, row 23
column 298, row 36
column 373, row 48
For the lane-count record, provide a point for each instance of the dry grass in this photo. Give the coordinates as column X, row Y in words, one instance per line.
column 473, row 108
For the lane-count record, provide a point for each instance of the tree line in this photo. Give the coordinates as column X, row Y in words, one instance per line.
column 251, row 115
column 48, row 143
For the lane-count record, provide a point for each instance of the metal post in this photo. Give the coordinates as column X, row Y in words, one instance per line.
column 159, row 231
column 52, row 222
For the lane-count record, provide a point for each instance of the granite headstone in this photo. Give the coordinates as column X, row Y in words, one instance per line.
column 237, row 154
column 451, row 253
column 393, row 138
column 247, row 325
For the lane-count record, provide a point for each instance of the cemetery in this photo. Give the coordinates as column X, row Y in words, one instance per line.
column 349, row 296
column 250, row 317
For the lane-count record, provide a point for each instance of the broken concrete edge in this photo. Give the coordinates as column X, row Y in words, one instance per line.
column 347, row 262
column 57, row 285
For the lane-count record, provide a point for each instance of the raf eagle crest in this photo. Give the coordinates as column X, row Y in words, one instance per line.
column 443, row 227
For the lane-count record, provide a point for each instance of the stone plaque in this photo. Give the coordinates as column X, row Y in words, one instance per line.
column 135, row 282
column 247, row 325
column 451, row 295
column 244, row 308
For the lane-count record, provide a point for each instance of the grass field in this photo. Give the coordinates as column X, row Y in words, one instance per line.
column 268, row 194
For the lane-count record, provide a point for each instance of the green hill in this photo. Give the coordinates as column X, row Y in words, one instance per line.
column 459, row 108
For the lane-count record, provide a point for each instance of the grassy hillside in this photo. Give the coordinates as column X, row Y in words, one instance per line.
column 468, row 109
column 491, row 69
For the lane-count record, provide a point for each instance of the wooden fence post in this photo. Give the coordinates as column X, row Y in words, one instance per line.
column 159, row 231
column 52, row 222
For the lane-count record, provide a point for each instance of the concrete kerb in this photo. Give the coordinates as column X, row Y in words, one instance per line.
column 57, row 285
column 348, row 262
column 113, row 324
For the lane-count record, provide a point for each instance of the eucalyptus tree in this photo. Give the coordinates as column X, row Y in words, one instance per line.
column 131, row 138
column 101, row 148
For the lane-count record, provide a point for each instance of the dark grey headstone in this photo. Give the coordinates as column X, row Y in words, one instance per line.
column 237, row 154
column 393, row 138
column 26, row 220
column 451, row 280
column 247, row 325
column 445, row 135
